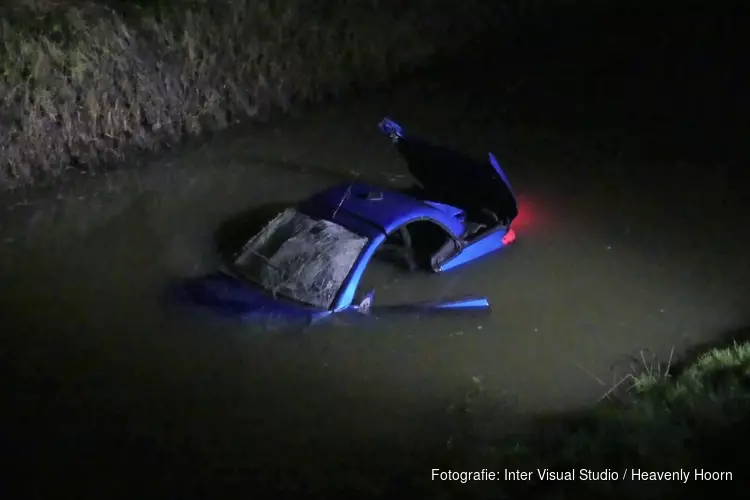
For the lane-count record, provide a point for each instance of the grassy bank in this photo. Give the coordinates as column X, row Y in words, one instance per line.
column 670, row 419
column 89, row 83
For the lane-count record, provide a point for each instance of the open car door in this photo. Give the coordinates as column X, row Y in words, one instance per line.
column 455, row 305
column 454, row 178
column 399, row 296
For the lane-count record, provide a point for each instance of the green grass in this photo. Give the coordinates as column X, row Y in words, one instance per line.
column 86, row 83
column 668, row 419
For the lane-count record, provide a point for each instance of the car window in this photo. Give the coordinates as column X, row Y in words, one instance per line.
column 402, row 263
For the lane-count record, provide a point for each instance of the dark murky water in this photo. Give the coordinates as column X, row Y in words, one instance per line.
column 623, row 246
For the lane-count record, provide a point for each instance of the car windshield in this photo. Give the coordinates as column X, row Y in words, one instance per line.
column 300, row 258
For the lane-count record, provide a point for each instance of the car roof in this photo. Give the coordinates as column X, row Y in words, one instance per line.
column 385, row 209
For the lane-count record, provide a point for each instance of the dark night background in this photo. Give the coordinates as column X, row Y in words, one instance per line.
column 659, row 86
column 655, row 79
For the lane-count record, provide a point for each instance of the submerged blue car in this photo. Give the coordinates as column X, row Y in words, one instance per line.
column 307, row 263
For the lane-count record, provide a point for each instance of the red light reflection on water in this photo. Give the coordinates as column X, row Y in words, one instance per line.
column 527, row 214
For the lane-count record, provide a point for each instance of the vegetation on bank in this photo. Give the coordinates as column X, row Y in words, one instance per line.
column 670, row 419
column 88, row 83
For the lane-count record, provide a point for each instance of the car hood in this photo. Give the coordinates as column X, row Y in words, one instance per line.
column 230, row 297
column 452, row 177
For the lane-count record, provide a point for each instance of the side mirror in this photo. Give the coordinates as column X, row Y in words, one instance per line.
column 365, row 306
column 391, row 129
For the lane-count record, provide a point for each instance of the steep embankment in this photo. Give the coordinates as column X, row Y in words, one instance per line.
column 86, row 83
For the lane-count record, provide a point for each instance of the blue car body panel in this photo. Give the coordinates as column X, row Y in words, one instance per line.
column 487, row 244
column 386, row 210
column 455, row 193
column 232, row 297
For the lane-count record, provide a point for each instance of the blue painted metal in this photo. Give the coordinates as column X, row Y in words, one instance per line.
column 346, row 295
column 391, row 128
column 462, row 304
column 393, row 210
column 454, row 212
column 483, row 246
column 375, row 213
column 496, row 165
column 230, row 297
column 468, row 303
